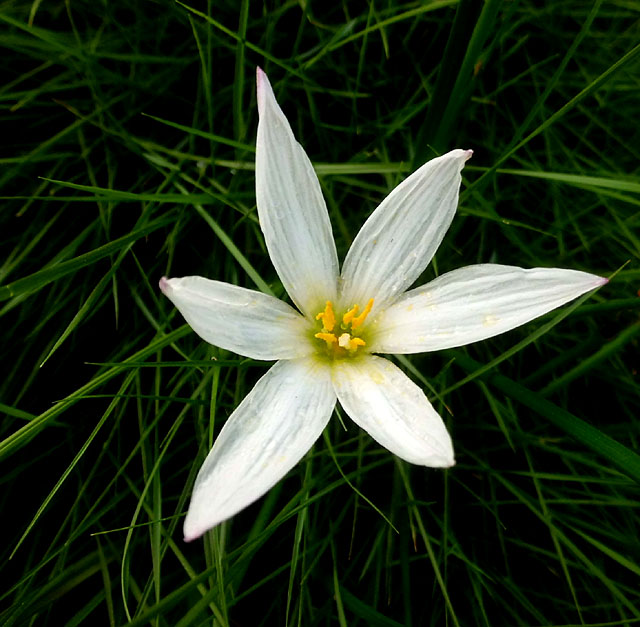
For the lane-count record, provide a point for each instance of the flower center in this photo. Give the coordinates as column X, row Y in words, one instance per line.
column 342, row 339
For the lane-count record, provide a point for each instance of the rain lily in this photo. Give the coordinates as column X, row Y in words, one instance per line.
column 327, row 347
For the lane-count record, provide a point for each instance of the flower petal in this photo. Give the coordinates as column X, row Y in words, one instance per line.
column 380, row 398
column 401, row 236
column 244, row 321
column 293, row 215
column 474, row 303
column 266, row 436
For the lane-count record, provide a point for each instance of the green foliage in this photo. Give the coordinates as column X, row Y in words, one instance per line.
column 127, row 152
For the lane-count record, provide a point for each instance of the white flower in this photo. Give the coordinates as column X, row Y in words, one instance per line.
column 325, row 349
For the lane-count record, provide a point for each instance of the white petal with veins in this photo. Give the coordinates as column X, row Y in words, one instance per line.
column 244, row 321
column 395, row 412
column 293, row 214
column 475, row 303
column 266, row 436
column 401, row 236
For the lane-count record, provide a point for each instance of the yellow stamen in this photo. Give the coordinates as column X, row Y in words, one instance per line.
column 356, row 322
column 350, row 315
column 342, row 344
column 328, row 318
column 329, row 338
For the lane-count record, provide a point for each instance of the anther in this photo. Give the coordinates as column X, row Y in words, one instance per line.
column 329, row 338
column 357, row 321
column 350, row 315
column 328, row 317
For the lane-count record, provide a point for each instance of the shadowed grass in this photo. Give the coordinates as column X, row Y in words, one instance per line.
column 127, row 154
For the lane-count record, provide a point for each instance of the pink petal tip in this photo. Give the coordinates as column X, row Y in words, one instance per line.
column 262, row 84
column 164, row 284
column 193, row 534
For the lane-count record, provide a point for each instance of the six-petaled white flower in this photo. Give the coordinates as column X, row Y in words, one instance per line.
column 328, row 348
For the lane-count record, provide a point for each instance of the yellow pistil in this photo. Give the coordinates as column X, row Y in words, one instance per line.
column 350, row 343
column 357, row 321
column 328, row 318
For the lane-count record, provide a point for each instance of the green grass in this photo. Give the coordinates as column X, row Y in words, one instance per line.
column 128, row 141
